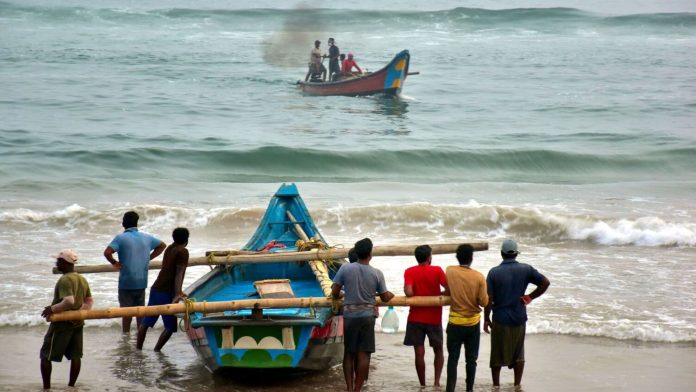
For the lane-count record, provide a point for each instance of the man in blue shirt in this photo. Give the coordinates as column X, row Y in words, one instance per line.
column 135, row 250
column 507, row 284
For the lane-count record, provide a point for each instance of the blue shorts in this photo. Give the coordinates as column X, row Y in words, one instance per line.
column 160, row 298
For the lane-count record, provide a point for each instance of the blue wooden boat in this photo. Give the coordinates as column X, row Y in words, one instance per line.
column 300, row 338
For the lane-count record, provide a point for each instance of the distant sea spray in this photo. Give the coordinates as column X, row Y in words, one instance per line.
column 387, row 221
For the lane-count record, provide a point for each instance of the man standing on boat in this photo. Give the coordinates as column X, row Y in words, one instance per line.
column 64, row 338
column 334, row 65
column 167, row 288
column 425, row 279
column 507, row 284
column 135, row 250
column 315, row 65
column 361, row 282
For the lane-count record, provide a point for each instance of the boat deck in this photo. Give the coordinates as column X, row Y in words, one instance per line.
column 246, row 290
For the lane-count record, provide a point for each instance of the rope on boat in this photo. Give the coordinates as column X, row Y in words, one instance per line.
column 188, row 308
column 209, row 259
column 312, row 310
column 319, row 267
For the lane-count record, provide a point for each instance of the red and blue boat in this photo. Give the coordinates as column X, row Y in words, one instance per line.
column 295, row 338
column 387, row 81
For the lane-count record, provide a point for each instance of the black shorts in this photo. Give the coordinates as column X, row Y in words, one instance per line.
column 416, row 332
column 128, row 298
column 507, row 344
column 359, row 334
column 62, row 339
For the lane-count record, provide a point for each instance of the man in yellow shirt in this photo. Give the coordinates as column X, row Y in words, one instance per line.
column 469, row 296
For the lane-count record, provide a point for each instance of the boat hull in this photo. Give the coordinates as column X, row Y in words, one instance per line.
column 294, row 338
column 312, row 347
column 387, row 81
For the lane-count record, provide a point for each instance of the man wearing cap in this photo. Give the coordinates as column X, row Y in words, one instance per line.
column 507, row 284
column 64, row 338
column 135, row 250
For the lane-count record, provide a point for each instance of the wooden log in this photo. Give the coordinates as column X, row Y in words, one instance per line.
column 234, row 257
column 221, row 306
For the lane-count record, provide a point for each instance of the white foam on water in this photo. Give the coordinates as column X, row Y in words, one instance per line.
column 409, row 220
column 622, row 329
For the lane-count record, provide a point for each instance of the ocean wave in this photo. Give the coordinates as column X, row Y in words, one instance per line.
column 622, row 329
column 298, row 164
column 412, row 220
column 545, row 19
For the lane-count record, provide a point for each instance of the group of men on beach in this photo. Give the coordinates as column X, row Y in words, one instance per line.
column 135, row 249
column 502, row 293
column 317, row 71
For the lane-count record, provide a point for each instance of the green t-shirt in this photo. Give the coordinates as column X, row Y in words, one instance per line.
column 73, row 284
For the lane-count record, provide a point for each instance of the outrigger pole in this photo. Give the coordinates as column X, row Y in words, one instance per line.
column 221, row 306
column 240, row 257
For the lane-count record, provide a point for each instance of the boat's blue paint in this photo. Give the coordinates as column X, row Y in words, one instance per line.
column 397, row 71
column 236, row 283
column 275, row 224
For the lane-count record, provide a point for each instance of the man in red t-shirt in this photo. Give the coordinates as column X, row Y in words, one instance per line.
column 348, row 65
column 425, row 279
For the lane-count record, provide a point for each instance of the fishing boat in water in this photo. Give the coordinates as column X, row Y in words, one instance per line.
column 300, row 338
column 387, row 81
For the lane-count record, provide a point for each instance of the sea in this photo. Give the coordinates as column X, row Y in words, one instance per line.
column 568, row 126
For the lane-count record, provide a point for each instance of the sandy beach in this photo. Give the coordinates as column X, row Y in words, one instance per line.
column 554, row 363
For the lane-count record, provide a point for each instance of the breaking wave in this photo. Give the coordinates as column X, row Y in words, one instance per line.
column 398, row 222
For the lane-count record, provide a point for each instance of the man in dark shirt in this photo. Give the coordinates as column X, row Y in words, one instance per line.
column 334, row 53
column 167, row 287
column 507, row 284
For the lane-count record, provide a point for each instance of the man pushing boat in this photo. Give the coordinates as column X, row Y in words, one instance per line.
column 167, row 289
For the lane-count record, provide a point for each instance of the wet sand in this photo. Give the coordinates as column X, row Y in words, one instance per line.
column 554, row 363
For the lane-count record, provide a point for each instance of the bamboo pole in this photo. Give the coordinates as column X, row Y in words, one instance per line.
column 217, row 307
column 237, row 257
column 318, row 267
column 298, row 229
column 156, row 264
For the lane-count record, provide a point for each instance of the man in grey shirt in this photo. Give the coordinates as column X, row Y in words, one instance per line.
column 362, row 282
